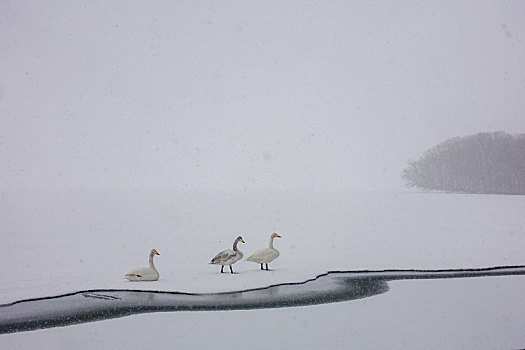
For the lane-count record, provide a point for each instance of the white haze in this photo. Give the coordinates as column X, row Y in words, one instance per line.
column 161, row 101
column 248, row 95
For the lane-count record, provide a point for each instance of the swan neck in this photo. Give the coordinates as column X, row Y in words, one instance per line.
column 271, row 243
column 151, row 265
column 235, row 245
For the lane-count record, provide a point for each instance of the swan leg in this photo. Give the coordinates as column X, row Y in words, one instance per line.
column 222, row 267
column 231, row 270
column 262, row 267
column 266, row 266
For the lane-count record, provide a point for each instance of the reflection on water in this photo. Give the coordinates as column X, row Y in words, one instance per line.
column 87, row 306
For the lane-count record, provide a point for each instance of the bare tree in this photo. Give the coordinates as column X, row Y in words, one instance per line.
column 482, row 163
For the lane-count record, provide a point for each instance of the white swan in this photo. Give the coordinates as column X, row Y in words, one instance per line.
column 144, row 273
column 265, row 255
column 229, row 256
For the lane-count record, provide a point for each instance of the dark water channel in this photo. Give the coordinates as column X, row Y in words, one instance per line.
column 93, row 305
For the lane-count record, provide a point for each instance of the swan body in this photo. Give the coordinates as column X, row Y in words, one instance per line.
column 144, row 273
column 229, row 256
column 265, row 255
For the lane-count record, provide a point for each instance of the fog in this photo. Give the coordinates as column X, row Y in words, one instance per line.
column 248, row 95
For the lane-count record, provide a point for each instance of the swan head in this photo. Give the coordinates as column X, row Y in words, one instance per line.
column 154, row 252
column 275, row 235
column 240, row 239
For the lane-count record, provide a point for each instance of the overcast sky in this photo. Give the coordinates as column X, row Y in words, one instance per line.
column 249, row 94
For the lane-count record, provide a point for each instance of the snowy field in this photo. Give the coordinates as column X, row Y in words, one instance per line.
column 58, row 242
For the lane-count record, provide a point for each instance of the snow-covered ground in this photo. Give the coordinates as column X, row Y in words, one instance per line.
column 61, row 242
column 58, row 242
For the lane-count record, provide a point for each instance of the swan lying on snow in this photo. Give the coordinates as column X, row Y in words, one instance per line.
column 265, row 255
column 144, row 273
column 229, row 256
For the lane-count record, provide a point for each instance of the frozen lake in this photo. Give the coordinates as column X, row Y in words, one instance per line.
column 64, row 242
column 96, row 305
column 463, row 313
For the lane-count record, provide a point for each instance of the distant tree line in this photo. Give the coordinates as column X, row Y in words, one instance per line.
column 492, row 163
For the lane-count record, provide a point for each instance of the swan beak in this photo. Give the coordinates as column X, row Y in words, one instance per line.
column 156, row 253
column 276, row 235
column 242, row 240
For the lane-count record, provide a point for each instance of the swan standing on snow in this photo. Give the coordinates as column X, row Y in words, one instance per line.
column 144, row 273
column 229, row 256
column 265, row 255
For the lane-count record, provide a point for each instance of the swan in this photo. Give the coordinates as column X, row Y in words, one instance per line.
column 229, row 256
column 144, row 273
column 265, row 255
